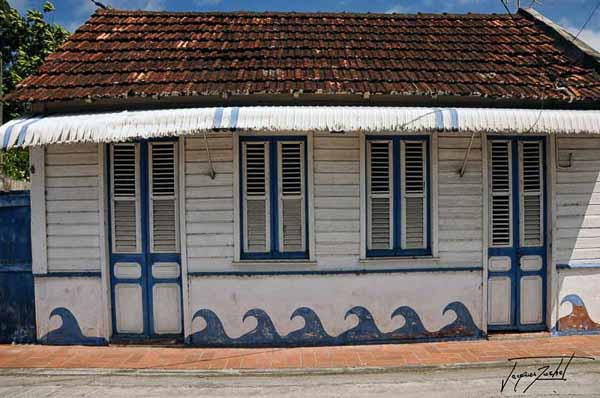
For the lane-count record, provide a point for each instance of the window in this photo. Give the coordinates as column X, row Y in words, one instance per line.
column 136, row 166
column 398, row 214
column 273, row 198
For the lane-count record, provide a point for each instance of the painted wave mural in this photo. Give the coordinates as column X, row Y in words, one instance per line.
column 69, row 332
column 578, row 320
column 313, row 332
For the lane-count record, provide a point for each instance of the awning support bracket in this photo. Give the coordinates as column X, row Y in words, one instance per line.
column 211, row 169
column 463, row 168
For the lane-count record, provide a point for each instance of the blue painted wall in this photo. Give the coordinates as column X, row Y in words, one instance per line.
column 17, row 303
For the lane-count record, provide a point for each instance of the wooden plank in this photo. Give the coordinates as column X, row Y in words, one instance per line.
column 337, row 154
column 323, row 202
column 74, row 264
column 565, row 233
column 72, row 206
column 337, row 226
column 39, row 254
column 72, row 193
column 209, row 204
column 71, row 182
column 210, row 192
column 340, row 142
column 218, row 155
column 352, row 190
column 214, row 143
column 70, row 171
column 578, row 221
column 199, row 216
column 209, row 240
column 336, row 179
column 73, row 218
column 578, row 243
column 577, row 199
column 325, row 238
column 91, row 253
column 340, row 166
column 73, row 241
column 210, row 228
column 459, row 154
column 71, row 159
column 578, row 188
column 202, row 168
column 571, row 177
column 72, row 148
column 337, row 214
column 460, row 189
column 200, row 180
column 582, row 210
column 73, row 230
column 211, row 252
column 337, row 248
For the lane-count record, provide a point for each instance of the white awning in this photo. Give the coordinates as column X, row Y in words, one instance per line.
column 127, row 125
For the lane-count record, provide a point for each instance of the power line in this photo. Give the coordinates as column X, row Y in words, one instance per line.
column 588, row 19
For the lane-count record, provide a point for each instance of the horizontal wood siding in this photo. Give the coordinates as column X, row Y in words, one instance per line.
column 72, row 207
column 460, row 202
column 209, row 203
column 337, row 199
column 578, row 200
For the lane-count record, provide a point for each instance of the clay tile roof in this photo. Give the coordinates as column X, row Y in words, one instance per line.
column 136, row 53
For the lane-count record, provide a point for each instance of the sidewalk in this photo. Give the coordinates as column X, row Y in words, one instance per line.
column 386, row 356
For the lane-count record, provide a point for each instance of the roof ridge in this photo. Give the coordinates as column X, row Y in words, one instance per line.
column 308, row 14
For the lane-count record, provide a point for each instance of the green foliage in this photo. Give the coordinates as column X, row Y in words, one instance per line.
column 26, row 42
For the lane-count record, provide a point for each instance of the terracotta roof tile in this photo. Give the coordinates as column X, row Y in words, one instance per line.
column 135, row 53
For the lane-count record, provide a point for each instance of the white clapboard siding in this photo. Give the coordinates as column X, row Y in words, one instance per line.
column 72, row 208
column 337, row 199
column 209, row 203
column 577, row 200
column 460, row 202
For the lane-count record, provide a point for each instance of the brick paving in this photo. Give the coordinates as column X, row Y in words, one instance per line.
column 391, row 355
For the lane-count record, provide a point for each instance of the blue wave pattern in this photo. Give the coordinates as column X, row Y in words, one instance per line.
column 69, row 332
column 313, row 333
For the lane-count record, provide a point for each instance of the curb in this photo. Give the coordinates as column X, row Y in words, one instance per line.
column 106, row 372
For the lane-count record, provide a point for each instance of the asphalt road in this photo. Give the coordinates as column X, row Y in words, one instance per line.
column 582, row 380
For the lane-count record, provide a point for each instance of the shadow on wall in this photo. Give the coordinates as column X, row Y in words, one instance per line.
column 313, row 333
column 578, row 225
column 69, row 332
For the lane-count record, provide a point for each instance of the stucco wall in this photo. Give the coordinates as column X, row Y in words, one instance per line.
column 341, row 308
column 70, row 310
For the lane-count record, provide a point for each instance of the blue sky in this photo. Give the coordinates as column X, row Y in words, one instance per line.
column 568, row 13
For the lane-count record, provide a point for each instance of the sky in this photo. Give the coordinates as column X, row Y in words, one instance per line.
column 570, row 14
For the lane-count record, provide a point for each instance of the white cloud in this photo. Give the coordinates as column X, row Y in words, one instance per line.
column 588, row 36
column 397, row 9
column 203, row 3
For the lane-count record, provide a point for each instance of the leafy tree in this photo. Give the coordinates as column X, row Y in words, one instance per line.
column 26, row 42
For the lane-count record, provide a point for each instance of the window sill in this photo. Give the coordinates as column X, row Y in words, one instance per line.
column 409, row 260
column 258, row 263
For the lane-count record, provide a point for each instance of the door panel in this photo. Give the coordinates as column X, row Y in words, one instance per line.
column 145, row 260
column 499, row 305
column 517, row 252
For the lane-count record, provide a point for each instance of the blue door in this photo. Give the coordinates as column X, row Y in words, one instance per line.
column 145, row 263
column 517, row 234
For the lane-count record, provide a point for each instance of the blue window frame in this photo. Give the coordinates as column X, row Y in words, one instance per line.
column 397, row 170
column 273, row 198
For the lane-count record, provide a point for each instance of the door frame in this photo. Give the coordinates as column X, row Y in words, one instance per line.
column 547, row 276
column 146, row 280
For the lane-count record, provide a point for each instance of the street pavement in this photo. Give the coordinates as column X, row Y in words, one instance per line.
column 582, row 379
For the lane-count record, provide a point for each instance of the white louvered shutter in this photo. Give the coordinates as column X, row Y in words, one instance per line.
column 164, row 228
column 380, row 206
column 414, row 194
column 501, row 193
column 256, row 197
column 125, row 198
column 531, row 187
column 291, row 197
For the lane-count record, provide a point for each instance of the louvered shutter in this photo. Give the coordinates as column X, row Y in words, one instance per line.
column 125, row 198
column 256, row 197
column 414, row 195
column 163, row 197
column 531, row 193
column 380, row 206
column 501, row 194
column 291, row 197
